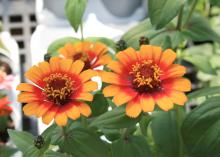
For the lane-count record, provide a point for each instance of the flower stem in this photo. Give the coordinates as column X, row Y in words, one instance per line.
column 84, row 121
column 81, row 31
column 191, row 11
column 180, row 18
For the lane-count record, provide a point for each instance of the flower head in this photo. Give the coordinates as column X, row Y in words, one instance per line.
column 145, row 78
column 91, row 53
column 4, row 108
column 5, row 80
column 59, row 88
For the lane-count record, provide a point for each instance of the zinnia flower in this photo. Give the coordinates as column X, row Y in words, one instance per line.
column 59, row 88
column 91, row 53
column 145, row 78
column 5, row 80
column 4, row 108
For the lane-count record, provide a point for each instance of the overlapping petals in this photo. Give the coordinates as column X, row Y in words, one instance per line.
column 59, row 90
column 93, row 54
column 4, row 108
column 141, row 79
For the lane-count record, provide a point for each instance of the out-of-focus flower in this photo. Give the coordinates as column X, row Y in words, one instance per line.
column 5, row 80
column 93, row 54
column 145, row 78
column 59, row 89
column 4, row 108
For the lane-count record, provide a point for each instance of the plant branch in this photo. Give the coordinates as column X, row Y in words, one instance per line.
column 180, row 18
column 81, row 31
column 191, row 11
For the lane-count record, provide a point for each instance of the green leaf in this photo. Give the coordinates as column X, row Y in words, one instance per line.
column 6, row 151
column 215, row 2
column 81, row 142
column 51, row 153
column 199, row 29
column 144, row 28
column 99, row 105
column 74, row 10
column 54, row 46
column 166, row 133
column 133, row 146
column 161, row 12
column 201, row 62
column 200, row 129
column 25, row 143
column 109, row 42
column 208, row 91
column 3, row 123
column 115, row 118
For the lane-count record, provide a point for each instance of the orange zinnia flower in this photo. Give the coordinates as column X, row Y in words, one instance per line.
column 145, row 78
column 4, row 108
column 59, row 89
column 92, row 54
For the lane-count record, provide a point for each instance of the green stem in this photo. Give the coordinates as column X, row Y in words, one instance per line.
column 81, row 31
column 180, row 18
column 84, row 121
column 191, row 11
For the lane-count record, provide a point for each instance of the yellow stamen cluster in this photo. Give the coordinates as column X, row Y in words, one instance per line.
column 146, row 73
column 58, row 88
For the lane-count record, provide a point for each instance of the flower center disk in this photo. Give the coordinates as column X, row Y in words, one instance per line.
column 146, row 76
column 58, row 88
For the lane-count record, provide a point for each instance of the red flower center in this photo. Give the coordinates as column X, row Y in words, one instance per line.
column 146, row 76
column 83, row 57
column 58, row 88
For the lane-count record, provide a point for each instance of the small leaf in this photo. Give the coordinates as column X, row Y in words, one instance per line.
column 208, row 91
column 200, row 129
column 132, row 146
column 54, row 46
column 74, row 10
column 161, row 12
column 115, row 118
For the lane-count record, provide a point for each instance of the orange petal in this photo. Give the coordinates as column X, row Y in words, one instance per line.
column 167, row 58
column 163, row 102
column 43, row 108
column 61, row 118
column 173, row 71
column 73, row 112
column 85, row 96
column 123, row 96
column 90, row 86
column 177, row 97
column 34, row 74
column 147, row 103
column 127, row 56
column 103, row 60
column 157, row 53
column 26, row 87
column 87, row 75
column 146, row 51
column 49, row 115
column 133, row 109
column 110, row 90
column 63, row 52
column 85, row 109
column 77, row 67
column 99, row 48
column 30, row 108
column 44, row 67
column 65, row 64
column 69, row 49
column 26, row 97
column 115, row 66
column 179, row 84
column 113, row 78
column 55, row 64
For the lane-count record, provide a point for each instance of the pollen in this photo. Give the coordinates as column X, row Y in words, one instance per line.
column 146, row 75
column 58, row 88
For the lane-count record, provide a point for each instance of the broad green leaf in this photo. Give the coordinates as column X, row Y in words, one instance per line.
column 109, row 42
column 25, row 143
column 115, row 118
column 166, row 133
column 215, row 2
column 144, row 28
column 6, row 151
column 54, row 46
column 161, row 12
column 201, row 62
column 200, row 129
column 199, row 29
column 99, row 105
column 74, row 10
column 81, row 142
column 208, row 91
column 51, row 153
column 131, row 146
